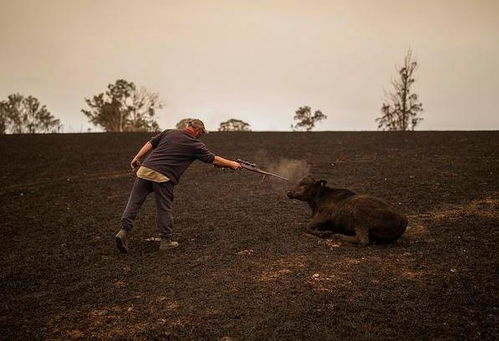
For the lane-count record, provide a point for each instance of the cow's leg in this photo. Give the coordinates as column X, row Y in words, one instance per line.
column 319, row 233
column 361, row 237
column 314, row 227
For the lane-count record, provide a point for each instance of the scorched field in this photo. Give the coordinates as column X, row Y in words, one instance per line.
column 245, row 270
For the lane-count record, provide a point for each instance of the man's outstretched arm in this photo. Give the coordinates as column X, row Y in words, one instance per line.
column 221, row 162
column 135, row 163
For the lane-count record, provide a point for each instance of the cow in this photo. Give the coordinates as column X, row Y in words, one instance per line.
column 349, row 217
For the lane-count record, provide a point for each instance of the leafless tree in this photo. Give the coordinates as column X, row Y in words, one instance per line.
column 142, row 110
column 401, row 109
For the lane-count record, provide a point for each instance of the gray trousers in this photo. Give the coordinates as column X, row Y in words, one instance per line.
column 163, row 192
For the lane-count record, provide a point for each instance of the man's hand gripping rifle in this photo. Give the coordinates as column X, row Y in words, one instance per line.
column 252, row 167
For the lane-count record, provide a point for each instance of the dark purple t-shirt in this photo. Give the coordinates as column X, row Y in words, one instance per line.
column 174, row 151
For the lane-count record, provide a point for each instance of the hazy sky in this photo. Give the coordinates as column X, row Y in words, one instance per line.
column 256, row 60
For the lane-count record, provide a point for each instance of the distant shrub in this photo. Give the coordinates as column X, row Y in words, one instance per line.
column 305, row 119
column 234, row 125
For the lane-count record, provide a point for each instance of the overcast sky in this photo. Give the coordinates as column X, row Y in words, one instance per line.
column 256, row 60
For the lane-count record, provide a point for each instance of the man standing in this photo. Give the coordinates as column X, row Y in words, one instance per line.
column 172, row 153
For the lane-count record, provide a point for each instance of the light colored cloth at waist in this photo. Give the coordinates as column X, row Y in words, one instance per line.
column 151, row 175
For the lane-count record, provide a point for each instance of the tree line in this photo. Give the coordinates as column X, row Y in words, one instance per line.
column 124, row 107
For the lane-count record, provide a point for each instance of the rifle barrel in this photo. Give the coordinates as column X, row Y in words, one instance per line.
column 258, row 170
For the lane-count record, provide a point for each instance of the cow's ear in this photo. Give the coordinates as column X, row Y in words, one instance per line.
column 323, row 183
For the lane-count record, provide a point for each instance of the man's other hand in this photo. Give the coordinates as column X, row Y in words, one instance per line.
column 135, row 163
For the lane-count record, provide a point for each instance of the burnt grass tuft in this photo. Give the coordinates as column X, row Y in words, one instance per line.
column 244, row 269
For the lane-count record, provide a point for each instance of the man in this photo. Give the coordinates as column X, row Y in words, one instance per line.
column 172, row 152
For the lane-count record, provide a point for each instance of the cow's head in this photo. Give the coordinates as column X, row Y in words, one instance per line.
column 306, row 189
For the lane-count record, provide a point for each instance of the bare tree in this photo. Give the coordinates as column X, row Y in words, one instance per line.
column 402, row 107
column 234, row 125
column 21, row 115
column 123, row 107
column 142, row 110
column 305, row 119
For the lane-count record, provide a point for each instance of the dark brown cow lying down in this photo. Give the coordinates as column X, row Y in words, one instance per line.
column 350, row 217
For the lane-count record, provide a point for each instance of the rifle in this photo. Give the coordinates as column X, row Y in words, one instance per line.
column 252, row 167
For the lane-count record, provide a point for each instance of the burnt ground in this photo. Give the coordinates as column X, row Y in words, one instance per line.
column 244, row 269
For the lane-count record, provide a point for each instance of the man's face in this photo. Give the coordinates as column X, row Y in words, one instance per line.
column 198, row 132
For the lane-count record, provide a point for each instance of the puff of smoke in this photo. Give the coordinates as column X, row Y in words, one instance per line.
column 293, row 170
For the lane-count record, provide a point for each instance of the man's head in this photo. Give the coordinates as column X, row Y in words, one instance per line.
column 197, row 127
column 307, row 189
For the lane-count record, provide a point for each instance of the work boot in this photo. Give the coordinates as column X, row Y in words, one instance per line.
column 167, row 244
column 121, row 241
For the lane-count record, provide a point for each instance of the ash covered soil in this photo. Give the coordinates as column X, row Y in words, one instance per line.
column 244, row 269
